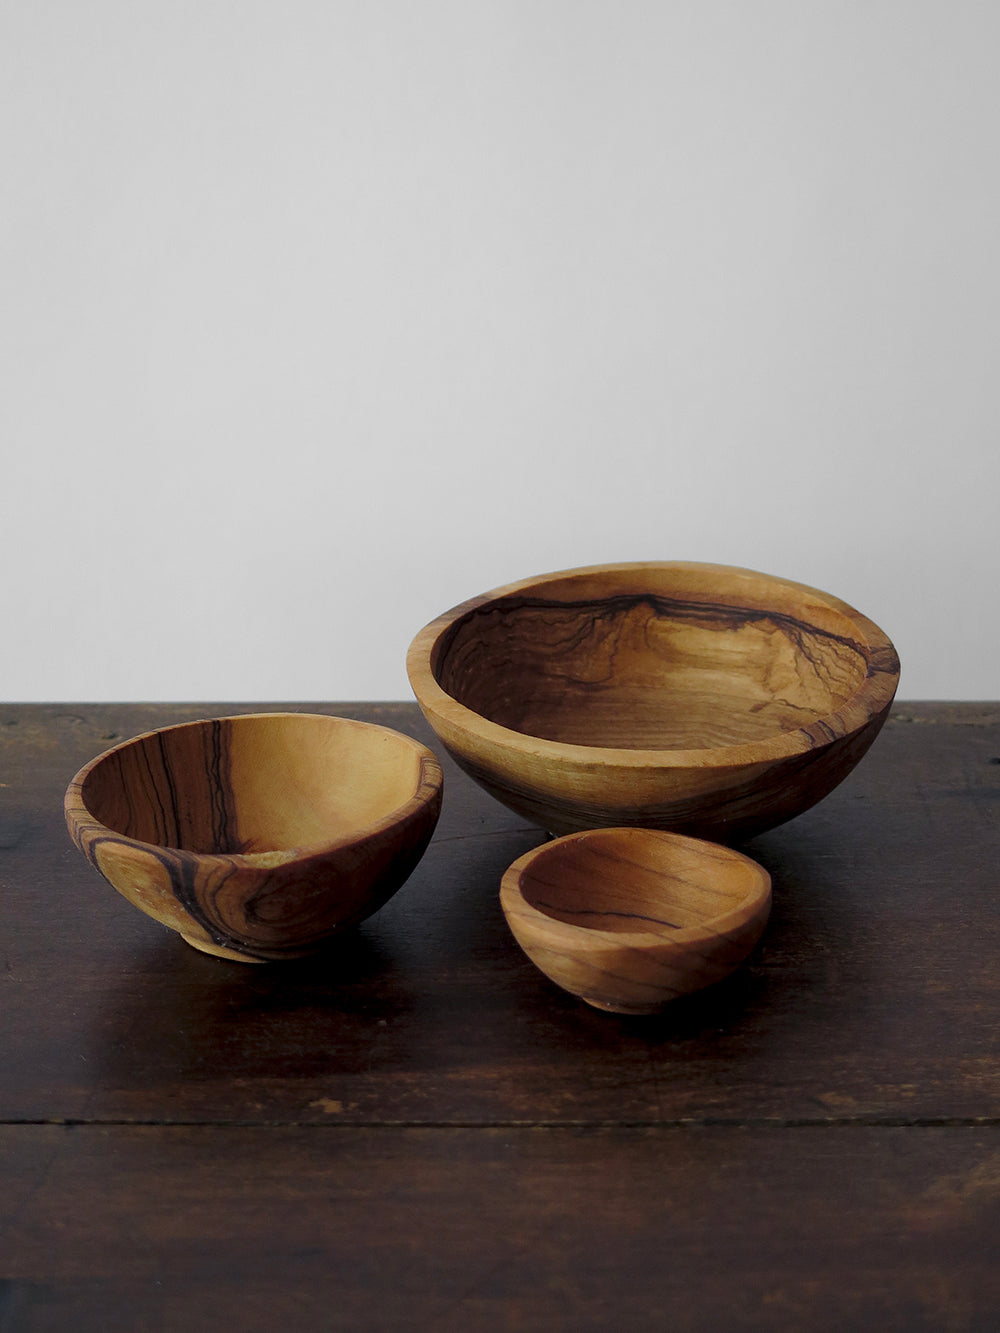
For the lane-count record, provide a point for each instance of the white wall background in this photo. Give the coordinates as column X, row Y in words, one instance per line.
column 317, row 317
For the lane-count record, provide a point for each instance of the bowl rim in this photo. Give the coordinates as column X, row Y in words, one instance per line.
column 85, row 827
column 872, row 697
column 754, row 905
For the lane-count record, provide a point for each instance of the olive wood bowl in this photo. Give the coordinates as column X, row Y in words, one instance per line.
column 697, row 698
column 629, row 919
column 258, row 837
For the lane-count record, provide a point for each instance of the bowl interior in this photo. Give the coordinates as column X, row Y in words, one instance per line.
column 668, row 658
column 632, row 880
column 260, row 783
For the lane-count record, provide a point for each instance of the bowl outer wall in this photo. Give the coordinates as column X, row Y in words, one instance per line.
column 314, row 891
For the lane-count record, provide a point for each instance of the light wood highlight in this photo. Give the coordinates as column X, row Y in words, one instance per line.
column 699, row 698
column 629, row 919
column 257, row 837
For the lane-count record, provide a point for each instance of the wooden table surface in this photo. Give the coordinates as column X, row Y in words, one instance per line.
column 416, row 1130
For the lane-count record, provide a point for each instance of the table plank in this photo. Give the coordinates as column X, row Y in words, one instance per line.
column 873, row 996
column 133, row 1228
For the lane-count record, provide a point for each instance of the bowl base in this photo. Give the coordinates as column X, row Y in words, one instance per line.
column 616, row 1007
column 219, row 950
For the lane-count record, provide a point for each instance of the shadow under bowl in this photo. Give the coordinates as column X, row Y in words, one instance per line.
column 697, row 698
column 258, row 837
column 630, row 919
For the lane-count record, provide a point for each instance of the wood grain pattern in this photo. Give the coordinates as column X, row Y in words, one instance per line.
column 257, row 837
column 630, row 919
column 707, row 700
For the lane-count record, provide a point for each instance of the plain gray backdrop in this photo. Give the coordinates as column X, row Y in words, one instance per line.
column 317, row 318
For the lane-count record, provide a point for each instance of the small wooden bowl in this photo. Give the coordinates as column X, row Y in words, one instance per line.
column 697, row 698
column 258, row 837
column 629, row 919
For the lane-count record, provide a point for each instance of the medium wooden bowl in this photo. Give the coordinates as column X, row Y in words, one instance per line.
column 628, row 919
column 698, row 698
column 257, row 837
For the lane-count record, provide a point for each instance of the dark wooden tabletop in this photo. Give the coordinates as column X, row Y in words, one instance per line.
column 416, row 1130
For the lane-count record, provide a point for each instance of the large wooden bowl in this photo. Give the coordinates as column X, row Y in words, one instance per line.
column 258, row 837
column 708, row 700
column 629, row 919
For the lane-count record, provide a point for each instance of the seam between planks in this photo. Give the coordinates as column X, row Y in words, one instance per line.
column 698, row 1122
